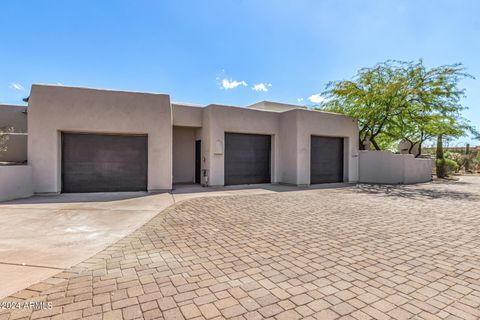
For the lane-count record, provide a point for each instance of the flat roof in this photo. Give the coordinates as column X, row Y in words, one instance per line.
column 188, row 104
column 256, row 106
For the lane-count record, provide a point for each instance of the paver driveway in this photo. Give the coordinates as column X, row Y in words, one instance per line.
column 357, row 253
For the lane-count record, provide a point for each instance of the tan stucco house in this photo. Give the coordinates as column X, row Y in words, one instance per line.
column 90, row 140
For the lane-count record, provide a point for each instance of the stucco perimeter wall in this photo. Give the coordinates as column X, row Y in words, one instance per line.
column 316, row 123
column 15, row 182
column 53, row 109
column 220, row 119
column 417, row 170
column 388, row 168
column 380, row 167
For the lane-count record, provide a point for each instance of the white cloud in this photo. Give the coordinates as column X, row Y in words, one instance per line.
column 299, row 99
column 316, row 98
column 261, row 87
column 16, row 86
column 231, row 84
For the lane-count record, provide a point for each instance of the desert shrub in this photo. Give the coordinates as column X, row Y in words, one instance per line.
column 459, row 158
column 475, row 164
column 450, row 166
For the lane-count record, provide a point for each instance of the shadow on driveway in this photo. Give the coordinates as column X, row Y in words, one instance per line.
column 78, row 198
column 181, row 188
column 419, row 192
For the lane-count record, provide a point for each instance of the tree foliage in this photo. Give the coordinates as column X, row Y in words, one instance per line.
column 398, row 100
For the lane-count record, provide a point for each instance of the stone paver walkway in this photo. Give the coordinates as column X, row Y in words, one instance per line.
column 352, row 253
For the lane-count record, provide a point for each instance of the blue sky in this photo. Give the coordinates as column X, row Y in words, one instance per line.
column 289, row 50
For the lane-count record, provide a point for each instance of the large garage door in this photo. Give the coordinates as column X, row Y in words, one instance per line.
column 326, row 160
column 247, row 158
column 103, row 163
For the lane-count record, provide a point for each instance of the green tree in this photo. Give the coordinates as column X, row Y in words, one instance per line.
column 433, row 105
column 395, row 101
column 374, row 96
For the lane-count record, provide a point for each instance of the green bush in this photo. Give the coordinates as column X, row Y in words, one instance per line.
column 449, row 166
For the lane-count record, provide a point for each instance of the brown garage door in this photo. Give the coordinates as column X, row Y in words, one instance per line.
column 326, row 160
column 104, row 163
column 247, row 158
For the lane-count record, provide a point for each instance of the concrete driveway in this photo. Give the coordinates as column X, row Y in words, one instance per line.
column 41, row 236
column 365, row 252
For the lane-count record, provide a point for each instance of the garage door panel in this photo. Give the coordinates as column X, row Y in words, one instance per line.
column 247, row 158
column 104, row 163
column 326, row 160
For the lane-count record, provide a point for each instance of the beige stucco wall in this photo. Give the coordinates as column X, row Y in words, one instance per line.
column 172, row 130
column 287, row 171
column 417, row 169
column 184, row 154
column 386, row 167
column 318, row 123
column 13, row 116
column 219, row 119
column 16, row 117
column 15, row 182
column 188, row 116
column 16, row 148
column 53, row 109
column 380, row 167
column 291, row 133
